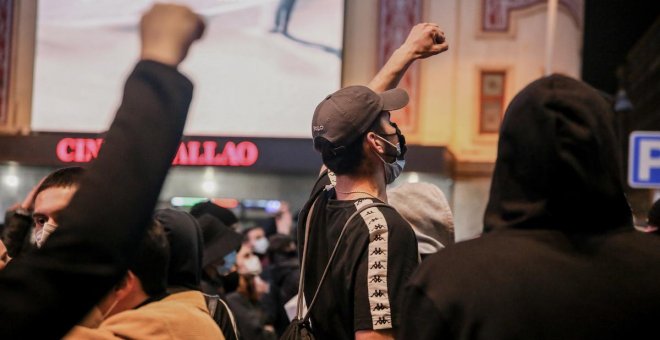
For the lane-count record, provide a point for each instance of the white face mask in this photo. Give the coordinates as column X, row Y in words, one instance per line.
column 394, row 169
column 42, row 234
column 260, row 246
column 252, row 266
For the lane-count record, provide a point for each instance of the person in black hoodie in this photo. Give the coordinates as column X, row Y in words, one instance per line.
column 44, row 293
column 559, row 258
column 185, row 267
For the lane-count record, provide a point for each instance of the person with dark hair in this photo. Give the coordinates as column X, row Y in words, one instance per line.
column 365, row 151
column 52, row 195
column 221, row 244
column 219, row 271
column 38, row 212
column 139, row 307
column 559, row 258
column 45, row 292
column 252, row 319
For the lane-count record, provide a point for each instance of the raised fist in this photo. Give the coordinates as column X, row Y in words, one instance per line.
column 167, row 31
column 425, row 40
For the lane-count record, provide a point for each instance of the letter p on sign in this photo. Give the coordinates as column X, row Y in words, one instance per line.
column 644, row 159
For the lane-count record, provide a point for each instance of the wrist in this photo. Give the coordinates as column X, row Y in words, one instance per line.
column 162, row 55
column 403, row 57
column 406, row 54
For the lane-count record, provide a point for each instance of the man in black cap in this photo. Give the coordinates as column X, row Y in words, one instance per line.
column 378, row 252
column 221, row 244
column 223, row 214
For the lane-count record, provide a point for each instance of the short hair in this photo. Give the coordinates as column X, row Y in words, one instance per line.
column 61, row 178
column 152, row 259
column 350, row 158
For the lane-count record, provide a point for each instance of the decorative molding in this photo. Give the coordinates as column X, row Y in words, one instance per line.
column 6, row 30
column 492, row 89
column 397, row 17
column 496, row 15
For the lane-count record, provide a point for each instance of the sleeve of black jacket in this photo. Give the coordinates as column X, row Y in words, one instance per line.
column 46, row 292
column 16, row 234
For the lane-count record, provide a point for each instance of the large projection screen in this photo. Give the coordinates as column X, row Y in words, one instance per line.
column 249, row 81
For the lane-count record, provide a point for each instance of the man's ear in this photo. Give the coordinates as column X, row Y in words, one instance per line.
column 374, row 142
column 126, row 285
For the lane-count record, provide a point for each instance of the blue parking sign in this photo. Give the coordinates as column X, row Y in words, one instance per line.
column 644, row 159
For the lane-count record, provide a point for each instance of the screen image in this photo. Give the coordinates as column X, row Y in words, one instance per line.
column 260, row 69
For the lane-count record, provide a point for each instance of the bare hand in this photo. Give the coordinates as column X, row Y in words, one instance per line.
column 28, row 202
column 167, row 31
column 425, row 40
column 283, row 219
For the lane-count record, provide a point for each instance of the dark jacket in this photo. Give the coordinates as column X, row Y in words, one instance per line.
column 184, row 272
column 44, row 293
column 560, row 259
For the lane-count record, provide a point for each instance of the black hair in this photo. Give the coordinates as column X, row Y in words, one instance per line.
column 152, row 259
column 348, row 159
column 61, row 178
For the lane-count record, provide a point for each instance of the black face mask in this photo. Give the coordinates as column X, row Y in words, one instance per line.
column 230, row 282
column 402, row 140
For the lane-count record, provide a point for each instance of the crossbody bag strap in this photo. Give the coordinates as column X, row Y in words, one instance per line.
column 334, row 251
column 301, row 282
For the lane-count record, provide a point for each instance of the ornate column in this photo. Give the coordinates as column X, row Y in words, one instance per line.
column 496, row 14
column 6, row 25
column 397, row 17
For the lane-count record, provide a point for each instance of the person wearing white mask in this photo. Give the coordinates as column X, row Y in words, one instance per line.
column 50, row 197
column 256, row 236
column 251, row 317
column 364, row 151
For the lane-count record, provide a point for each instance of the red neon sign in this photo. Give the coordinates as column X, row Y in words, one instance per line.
column 192, row 153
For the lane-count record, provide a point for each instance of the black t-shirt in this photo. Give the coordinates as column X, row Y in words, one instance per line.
column 376, row 256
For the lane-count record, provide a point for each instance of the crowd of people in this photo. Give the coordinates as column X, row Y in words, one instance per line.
column 86, row 256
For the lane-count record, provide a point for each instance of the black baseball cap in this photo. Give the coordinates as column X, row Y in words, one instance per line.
column 346, row 114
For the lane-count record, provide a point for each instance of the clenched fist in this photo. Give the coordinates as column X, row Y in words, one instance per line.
column 167, row 31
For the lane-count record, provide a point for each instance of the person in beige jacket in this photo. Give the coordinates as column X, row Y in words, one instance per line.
column 178, row 316
column 139, row 307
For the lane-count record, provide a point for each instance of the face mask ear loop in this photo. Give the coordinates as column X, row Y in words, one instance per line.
column 398, row 148
column 112, row 306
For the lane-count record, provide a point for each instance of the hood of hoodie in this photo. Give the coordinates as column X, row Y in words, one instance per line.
column 186, row 247
column 558, row 165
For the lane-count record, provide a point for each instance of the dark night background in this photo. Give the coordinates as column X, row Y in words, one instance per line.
column 611, row 29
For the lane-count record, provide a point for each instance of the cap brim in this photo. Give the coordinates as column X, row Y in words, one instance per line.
column 394, row 99
column 220, row 246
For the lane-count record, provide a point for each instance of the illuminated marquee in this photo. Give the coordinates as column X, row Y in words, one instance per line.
column 190, row 153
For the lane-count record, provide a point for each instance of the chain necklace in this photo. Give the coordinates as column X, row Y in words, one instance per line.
column 355, row 192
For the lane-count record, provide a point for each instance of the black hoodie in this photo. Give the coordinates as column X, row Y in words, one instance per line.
column 560, row 258
column 186, row 248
